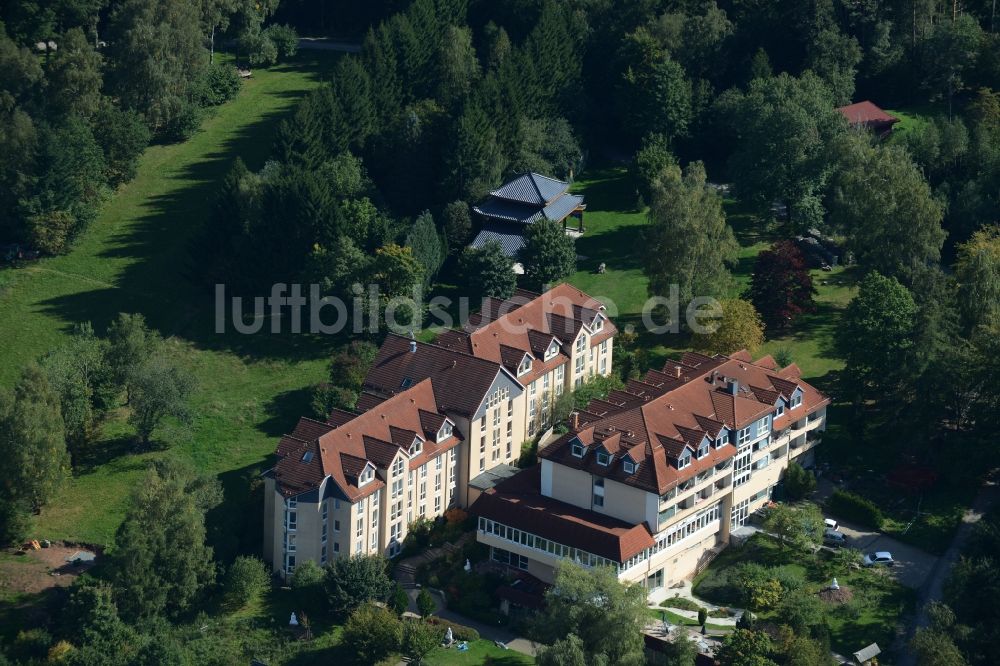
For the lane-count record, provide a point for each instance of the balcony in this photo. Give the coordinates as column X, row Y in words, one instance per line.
column 724, row 482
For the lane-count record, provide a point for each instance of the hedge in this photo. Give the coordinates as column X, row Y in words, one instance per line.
column 459, row 631
column 848, row 506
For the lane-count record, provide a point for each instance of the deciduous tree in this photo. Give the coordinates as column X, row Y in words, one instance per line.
column 487, row 271
column 353, row 581
column 372, row 633
column 688, row 242
column 548, row 255
column 739, row 327
column 978, row 273
column 159, row 388
column 605, row 613
column 781, row 288
column 161, row 564
column 419, row 639
column 246, row 581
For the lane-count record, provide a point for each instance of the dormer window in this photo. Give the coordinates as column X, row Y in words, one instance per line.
column 780, row 408
column 552, row 350
column 703, row 450
column 796, row 400
column 445, row 431
column 603, row 458
column 367, row 475
column 577, row 448
column 525, row 366
column 722, row 439
column 629, row 466
column 417, row 446
column 598, row 324
column 684, row 460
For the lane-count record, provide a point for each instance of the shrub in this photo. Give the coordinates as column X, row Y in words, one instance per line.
column 681, row 602
column 849, row 506
column 400, row 600
column 372, row 633
column 307, row 585
column 185, row 123
column 425, row 604
column 326, row 397
column 459, row 631
column 246, row 581
column 217, row 84
column 284, row 38
column 799, row 481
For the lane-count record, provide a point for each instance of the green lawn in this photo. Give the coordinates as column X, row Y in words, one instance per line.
column 678, row 619
column 135, row 259
column 613, row 226
column 478, row 653
column 879, row 603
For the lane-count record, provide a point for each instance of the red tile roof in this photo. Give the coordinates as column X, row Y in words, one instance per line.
column 866, row 113
column 656, row 419
column 316, row 451
column 517, row 502
column 526, row 323
column 461, row 381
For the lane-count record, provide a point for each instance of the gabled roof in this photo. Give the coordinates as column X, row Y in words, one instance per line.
column 866, row 113
column 657, row 418
column 376, row 437
column 507, row 235
column 461, row 380
column 531, row 188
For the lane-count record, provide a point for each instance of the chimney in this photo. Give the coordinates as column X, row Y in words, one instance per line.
column 413, row 343
column 677, row 371
column 732, row 385
column 574, row 421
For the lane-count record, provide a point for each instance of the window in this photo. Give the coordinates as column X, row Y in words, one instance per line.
column 796, row 400
column 581, row 343
column 290, row 567
column 367, row 474
column 545, row 385
column 722, row 439
column 780, row 408
column 482, row 445
column 703, row 450
column 552, row 350
column 496, row 417
column 437, row 504
column 358, row 547
column 322, row 554
column 439, row 462
column 482, row 464
column 482, row 424
column 361, row 527
column 763, row 425
column 291, row 520
column 307, row 457
column 604, row 365
column 336, row 547
column 437, row 483
column 604, row 347
column 560, row 379
column 397, row 488
column 423, row 490
column 598, row 500
column 292, row 503
column 598, row 323
column 423, row 471
column 684, row 460
column 510, row 409
column 743, row 436
column 416, row 447
column 534, row 388
column 445, row 431
column 336, row 526
column 396, row 511
column 629, row 467
column 525, row 365
column 603, row 458
column 577, row 448
column 398, row 468
column 579, row 364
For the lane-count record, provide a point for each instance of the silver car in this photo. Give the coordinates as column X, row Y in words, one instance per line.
column 882, row 558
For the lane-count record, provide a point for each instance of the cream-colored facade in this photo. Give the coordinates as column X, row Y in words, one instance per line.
column 322, row 524
column 689, row 523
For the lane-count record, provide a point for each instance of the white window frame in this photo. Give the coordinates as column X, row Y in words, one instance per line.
column 603, row 458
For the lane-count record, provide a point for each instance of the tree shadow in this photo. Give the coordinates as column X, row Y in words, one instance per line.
column 615, row 248
column 158, row 283
column 607, row 188
column 236, row 525
column 283, row 411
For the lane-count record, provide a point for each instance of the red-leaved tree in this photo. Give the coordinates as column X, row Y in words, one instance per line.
column 781, row 288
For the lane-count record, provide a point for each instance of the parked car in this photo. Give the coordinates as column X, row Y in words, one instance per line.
column 830, row 523
column 882, row 558
column 834, row 538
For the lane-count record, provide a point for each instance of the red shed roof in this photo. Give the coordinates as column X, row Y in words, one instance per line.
column 866, row 113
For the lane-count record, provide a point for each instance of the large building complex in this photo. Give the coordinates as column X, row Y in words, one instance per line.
column 652, row 479
column 431, row 419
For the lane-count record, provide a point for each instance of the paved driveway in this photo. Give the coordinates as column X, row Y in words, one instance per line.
column 913, row 565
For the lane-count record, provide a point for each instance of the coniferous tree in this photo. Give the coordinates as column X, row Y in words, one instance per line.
column 378, row 52
column 473, row 160
column 352, row 89
column 425, row 244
